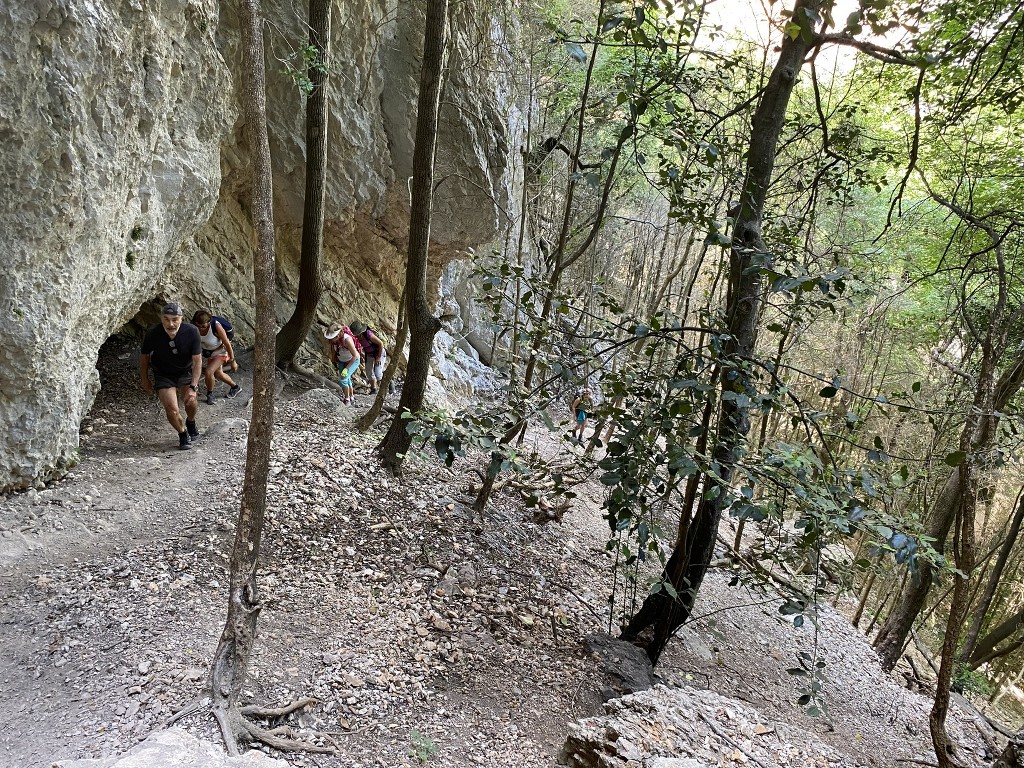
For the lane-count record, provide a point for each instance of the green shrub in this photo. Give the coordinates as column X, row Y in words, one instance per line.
column 967, row 680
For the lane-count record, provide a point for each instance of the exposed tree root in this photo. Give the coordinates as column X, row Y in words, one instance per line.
column 236, row 728
column 270, row 713
column 196, row 706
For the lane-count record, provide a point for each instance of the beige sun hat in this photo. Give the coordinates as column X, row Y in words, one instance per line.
column 333, row 331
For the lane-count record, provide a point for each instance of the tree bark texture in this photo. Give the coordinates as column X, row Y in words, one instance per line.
column 661, row 615
column 977, row 441
column 967, row 653
column 231, row 659
column 985, row 649
column 423, row 326
column 892, row 636
column 294, row 332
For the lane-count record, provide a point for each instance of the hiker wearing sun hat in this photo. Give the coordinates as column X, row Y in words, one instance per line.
column 344, row 356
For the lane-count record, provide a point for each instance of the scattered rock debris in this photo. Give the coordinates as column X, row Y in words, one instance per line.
column 419, row 626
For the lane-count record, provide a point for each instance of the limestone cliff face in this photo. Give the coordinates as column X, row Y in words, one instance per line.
column 111, row 119
column 123, row 181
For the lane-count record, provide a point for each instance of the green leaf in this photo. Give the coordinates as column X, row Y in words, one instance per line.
column 956, row 458
column 576, row 52
column 828, row 392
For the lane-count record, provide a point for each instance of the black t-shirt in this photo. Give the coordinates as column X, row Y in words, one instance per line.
column 171, row 357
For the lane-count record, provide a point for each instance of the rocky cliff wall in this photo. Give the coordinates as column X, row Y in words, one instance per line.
column 124, row 180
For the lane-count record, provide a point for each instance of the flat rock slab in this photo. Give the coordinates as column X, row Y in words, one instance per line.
column 175, row 748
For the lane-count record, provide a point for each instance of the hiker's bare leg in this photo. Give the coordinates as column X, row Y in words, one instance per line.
column 169, row 400
column 222, row 374
column 191, row 403
column 213, row 366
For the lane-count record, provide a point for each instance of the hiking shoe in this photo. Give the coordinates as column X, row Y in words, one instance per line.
column 209, row 398
column 234, row 390
column 191, row 429
column 184, row 441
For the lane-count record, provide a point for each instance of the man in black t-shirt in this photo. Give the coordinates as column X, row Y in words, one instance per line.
column 173, row 350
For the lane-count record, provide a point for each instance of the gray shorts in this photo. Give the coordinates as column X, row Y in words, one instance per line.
column 167, row 382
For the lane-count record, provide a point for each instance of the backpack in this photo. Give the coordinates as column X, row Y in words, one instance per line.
column 338, row 343
column 225, row 324
column 385, row 342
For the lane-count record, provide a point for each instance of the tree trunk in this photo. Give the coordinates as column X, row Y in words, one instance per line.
column 394, row 361
column 294, row 332
column 993, row 580
column 863, row 600
column 976, row 439
column 231, row 659
column 423, row 326
column 892, row 637
column 661, row 614
column 985, row 647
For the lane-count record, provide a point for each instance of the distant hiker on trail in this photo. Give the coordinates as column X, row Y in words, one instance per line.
column 373, row 352
column 175, row 353
column 344, row 356
column 217, row 352
column 580, row 406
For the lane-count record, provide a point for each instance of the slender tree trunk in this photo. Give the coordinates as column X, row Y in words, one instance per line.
column 892, row 637
column 863, row 600
column 660, row 613
column 993, row 580
column 881, row 607
column 976, row 440
column 294, row 332
column 986, row 646
column 394, row 362
column 231, row 659
column 423, row 326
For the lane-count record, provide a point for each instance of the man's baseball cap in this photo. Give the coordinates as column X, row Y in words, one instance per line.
column 172, row 309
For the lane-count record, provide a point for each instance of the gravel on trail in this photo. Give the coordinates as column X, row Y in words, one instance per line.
column 427, row 633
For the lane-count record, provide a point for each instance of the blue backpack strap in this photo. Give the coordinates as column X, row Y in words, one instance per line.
column 225, row 324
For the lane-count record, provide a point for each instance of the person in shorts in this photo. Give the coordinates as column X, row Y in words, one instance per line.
column 344, row 351
column 372, row 352
column 217, row 353
column 173, row 351
column 580, row 406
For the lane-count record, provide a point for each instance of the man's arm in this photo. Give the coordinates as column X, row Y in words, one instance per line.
column 376, row 340
column 197, row 370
